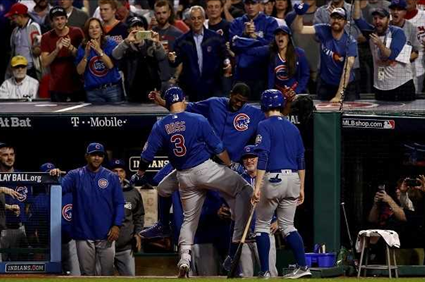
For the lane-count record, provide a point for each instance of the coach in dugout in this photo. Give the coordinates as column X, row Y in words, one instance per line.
column 98, row 211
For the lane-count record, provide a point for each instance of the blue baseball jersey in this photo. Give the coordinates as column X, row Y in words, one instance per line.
column 279, row 145
column 235, row 129
column 185, row 137
column 333, row 53
column 66, row 218
column 21, row 201
column 98, row 202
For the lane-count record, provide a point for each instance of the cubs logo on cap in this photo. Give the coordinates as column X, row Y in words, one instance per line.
column 95, row 148
column 46, row 167
column 249, row 151
column 115, row 163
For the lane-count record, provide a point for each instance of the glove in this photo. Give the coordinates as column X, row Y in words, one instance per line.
column 138, row 180
column 237, row 167
column 301, row 9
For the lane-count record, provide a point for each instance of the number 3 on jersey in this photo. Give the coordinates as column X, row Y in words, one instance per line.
column 179, row 147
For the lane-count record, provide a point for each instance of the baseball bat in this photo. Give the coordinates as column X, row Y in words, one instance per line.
column 237, row 257
column 356, row 263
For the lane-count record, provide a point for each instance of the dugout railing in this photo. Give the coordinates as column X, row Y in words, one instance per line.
column 27, row 261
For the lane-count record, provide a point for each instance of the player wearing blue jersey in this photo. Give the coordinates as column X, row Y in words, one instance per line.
column 233, row 120
column 280, row 181
column 98, row 211
column 189, row 152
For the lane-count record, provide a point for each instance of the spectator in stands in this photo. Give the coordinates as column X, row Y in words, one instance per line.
column 203, row 55
column 233, row 9
column 98, row 211
column 281, row 8
column 58, row 50
column 398, row 12
column 168, row 33
column 40, row 14
column 112, row 27
column 76, row 17
column 141, row 61
column 308, row 43
column 20, row 86
column 417, row 18
column 215, row 22
column 288, row 69
column 129, row 240
column 337, row 54
column 393, row 80
column 258, row 28
column 268, row 6
column 102, row 80
column 25, row 39
column 14, row 236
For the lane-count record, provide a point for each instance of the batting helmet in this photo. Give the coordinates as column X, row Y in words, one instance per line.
column 272, row 98
column 173, row 95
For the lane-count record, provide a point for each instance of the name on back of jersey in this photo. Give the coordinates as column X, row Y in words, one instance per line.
column 174, row 127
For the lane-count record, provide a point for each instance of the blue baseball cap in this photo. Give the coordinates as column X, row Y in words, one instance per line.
column 249, row 151
column 283, row 28
column 173, row 95
column 46, row 167
column 398, row 4
column 95, row 148
column 117, row 163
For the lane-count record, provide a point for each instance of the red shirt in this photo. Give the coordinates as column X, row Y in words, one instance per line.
column 64, row 76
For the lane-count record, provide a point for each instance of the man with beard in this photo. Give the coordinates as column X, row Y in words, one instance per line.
column 58, row 50
column 417, row 18
column 393, row 80
column 97, row 213
column 337, row 54
column 168, row 33
column 20, row 86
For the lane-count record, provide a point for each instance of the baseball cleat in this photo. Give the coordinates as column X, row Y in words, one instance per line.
column 183, row 271
column 264, row 275
column 158, row 230
column 298, row 272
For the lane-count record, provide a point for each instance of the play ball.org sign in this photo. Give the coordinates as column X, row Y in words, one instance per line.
column 25, row 268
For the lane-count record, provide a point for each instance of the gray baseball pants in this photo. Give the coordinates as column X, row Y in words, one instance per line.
column 195, row 182
column 89, row 251
column 281, row 195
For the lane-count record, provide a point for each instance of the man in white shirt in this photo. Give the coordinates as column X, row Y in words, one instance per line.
column 20, row 85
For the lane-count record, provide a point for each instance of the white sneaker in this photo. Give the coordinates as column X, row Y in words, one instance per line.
column 298, row 273
column 184, row 265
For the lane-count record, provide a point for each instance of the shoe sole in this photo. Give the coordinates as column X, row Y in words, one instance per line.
column 298, row 276
column 183, row 271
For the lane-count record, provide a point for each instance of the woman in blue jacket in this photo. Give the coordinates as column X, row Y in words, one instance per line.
column 102, row 80
column 288, row 67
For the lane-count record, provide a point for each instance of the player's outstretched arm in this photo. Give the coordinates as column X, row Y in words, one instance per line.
column 155, row 96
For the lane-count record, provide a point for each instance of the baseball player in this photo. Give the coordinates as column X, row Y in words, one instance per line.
column 280, row 181
column 235, row 123
column 98, row 211
column 129, row 239
column 249, row 255
column 189, row 152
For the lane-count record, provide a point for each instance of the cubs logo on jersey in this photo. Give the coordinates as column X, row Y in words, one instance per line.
column 103, row 183
column 67, row 212
column 241, row 122
column 23, row 191
column 97, row 67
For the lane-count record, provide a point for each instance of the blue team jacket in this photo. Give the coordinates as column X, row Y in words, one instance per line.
column 98, row 202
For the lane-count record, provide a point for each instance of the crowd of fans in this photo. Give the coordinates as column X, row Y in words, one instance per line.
column 102, row 51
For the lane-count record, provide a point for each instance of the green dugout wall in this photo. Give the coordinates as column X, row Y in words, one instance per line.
column 327, row 179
